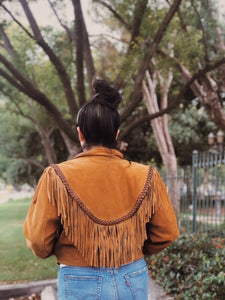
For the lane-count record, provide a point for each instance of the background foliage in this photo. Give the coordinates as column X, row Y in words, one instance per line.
column 193, row 267
column 129, row 30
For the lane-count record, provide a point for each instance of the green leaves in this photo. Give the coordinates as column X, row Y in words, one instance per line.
column 194, row 270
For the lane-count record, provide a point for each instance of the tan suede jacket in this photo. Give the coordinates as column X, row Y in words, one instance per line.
column 100, row 210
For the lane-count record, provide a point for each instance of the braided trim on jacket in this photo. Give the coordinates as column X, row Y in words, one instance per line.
column 88, row 212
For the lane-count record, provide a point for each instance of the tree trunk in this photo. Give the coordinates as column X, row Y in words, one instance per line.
column 161, row 132
column 72, row 147
column 46, row 142
column 221, row 48
column 88, row 61
column 44, row 133
column 79, row 37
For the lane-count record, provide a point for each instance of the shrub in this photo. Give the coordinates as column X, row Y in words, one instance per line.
column 193, row 267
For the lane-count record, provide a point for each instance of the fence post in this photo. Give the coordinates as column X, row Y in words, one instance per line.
column 194, row 170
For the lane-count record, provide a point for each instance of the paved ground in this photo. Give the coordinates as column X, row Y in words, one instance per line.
column 6, row 195
column 46, row 290
column 156, row 292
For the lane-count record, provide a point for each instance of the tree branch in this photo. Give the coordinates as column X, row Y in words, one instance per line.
column 138, row 17
column 203, row 32
column 79, row 34
column 32, row 161
column 86, row 47
column 115, row 13
column 17, row 22
column 60, row 21
column 135, row 30
column 182, row 24
column 7, row 44
column 12, row 81
column 19, row 110
column 31, row 91
column 88, row 59
column 211, row 65
column 63, row 75
column 136, row 96
column 49, row 150
column 173, row 101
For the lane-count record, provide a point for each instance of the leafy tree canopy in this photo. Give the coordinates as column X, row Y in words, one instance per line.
column 46, row 74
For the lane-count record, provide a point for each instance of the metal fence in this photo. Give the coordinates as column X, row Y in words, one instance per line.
column 202, row 194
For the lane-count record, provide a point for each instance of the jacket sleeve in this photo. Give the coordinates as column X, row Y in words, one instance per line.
column 42, row 224
column 162, row 228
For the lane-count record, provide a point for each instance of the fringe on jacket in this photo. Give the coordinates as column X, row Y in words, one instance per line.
column 105, row 243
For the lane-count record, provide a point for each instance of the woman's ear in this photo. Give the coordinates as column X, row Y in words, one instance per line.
column 80, row 134
column 117, row 134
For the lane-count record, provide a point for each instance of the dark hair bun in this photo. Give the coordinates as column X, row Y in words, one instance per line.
column 105, row 92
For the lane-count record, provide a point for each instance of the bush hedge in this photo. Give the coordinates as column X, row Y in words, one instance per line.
column 193, row 267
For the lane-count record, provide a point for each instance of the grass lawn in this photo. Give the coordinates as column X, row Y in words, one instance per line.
column 17, row 262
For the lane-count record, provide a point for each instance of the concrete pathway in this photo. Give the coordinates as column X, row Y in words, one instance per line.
column 6, row 195
column 156, row 292
column 47, row 289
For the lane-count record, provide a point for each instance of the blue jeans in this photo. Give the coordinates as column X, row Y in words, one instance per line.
column 128, row 282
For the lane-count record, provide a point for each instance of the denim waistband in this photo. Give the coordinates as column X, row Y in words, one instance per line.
column 135, row 265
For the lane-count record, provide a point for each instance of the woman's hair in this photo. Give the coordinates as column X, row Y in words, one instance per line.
column 99, row 119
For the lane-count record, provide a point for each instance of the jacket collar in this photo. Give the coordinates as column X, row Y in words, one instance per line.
column 101, row 151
